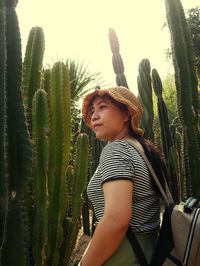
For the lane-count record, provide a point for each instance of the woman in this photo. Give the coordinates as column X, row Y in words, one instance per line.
column 120, row 190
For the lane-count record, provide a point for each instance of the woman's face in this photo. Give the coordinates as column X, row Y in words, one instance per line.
column 108, row 121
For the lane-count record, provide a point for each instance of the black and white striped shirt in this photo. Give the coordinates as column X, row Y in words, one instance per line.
column 120, row 160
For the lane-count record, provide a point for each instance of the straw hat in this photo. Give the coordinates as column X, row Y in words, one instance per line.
column 119, row 94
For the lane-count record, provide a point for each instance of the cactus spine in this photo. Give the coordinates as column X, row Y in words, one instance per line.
column 187, row 91
column 117, row 62
column 41, row 128
column 59, row 156
column 19, row 150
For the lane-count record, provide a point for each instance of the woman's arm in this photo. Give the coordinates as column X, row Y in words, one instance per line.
column 113, row 225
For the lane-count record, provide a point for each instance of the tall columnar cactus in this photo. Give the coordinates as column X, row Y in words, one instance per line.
column 187, row 91
column 3, row 139
column 162, row 112
column 145, row 95
column 41, row 127
column 19, row 150
column 59, row 156
column 117, row 62
column 167, row 145
column 77, row 185
column 32, row 67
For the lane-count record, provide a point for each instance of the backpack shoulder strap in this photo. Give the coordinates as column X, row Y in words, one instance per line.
column 136, row 247
column 166, row 194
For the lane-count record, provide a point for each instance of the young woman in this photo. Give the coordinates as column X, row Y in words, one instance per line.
column 121, row 190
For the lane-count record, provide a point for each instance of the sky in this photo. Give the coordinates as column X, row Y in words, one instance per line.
column 78, row 29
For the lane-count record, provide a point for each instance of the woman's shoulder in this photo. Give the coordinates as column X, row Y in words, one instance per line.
column 118, row 148
column 116, row 145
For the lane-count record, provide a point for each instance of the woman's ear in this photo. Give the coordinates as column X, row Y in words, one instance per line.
column 126, row 116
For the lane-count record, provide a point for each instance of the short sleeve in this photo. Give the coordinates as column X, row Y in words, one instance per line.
column 115, row 163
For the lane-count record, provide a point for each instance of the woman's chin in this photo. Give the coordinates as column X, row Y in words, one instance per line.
column 99, row 136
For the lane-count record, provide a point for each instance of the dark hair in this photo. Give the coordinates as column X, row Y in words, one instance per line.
column 156, row 160
column 153, row 154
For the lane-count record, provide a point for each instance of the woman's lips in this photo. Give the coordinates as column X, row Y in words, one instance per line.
column 95, row 126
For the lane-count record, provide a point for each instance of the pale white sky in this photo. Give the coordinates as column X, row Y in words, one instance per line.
column 79, row 29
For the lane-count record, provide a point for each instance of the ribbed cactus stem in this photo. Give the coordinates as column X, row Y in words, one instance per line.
column 187, row 90
column 182, row 52
column 145, row 95
column 19, row 146
column 78, row 185
column 32, row 67
column 117, row 61
column 3, row 139
column 40, row 134
column 162, row 112
column 59, row 156
column 167, row 146
column 80, row 173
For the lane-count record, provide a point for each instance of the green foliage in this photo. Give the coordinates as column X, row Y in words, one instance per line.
column 169, row 96
column 80, row 78
column 194, row 25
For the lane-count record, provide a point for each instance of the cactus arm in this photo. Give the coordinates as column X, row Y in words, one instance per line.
column 59, row 156
column 32, row 66
column 40, row 128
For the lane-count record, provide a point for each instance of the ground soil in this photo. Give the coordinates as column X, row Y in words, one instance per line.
column 81, row 244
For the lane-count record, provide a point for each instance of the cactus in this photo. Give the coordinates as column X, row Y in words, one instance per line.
column 187, row 91
column 32, row 67
column 19, row 150
column 145, row 95
column 59, row 156
column 45, row 82
column 3, row 139
column 40, row 128
column 117, row 62
column 162, row 112
column 78, row 183
column 167, row 145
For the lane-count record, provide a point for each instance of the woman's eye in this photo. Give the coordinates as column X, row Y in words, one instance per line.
column 102, row 106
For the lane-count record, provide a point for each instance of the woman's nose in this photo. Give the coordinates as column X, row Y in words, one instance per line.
column 94, row 116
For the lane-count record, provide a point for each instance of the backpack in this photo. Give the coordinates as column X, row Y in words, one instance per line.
column 179, row 236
